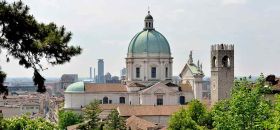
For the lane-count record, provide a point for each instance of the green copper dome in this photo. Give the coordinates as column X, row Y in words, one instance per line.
column 75, row 87
column 149, row 41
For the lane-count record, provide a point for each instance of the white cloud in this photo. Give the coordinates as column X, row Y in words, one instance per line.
column 115, row 42
column 179, row 11
column 234, row 2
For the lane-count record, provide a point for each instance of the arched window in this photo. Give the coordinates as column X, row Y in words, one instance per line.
column 149, row 24
column 226, row 61
column 182, row 100
column 166, row 72
column 105, row 100
column 214, row 61
column 122, row 100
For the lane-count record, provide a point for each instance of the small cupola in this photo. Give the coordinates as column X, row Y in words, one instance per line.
column 149, row 22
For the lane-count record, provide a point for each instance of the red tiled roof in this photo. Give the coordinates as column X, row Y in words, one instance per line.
column 94, row 87
column 148, row 110
column 135, row 84
column 138, row 123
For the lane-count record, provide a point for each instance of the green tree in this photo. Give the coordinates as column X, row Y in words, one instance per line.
column 67, row 118
column 182, row 121
column 1, row 120
column 246, row 109
column 197, row 111
column 26, row 123
column 114, row 121
column 91, row 113
column 275, row 123
column 31, row 42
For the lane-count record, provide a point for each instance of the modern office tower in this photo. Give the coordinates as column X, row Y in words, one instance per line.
column 100, row 76
column 90, row 72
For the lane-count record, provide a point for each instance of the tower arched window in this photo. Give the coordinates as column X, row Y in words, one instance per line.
column 226, row 61
column 105, row 100
column 214, row 61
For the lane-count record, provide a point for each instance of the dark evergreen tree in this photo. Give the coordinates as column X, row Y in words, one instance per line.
column 115, row 121
column 91, row 113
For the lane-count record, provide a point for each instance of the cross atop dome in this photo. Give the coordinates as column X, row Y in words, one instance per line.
column 149, row 22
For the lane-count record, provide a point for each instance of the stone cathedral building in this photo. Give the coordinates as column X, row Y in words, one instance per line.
column 148, row 83
column 149, row 66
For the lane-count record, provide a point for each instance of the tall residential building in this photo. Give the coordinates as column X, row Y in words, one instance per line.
column 100, row 76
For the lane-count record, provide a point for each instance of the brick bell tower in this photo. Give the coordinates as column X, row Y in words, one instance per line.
column 222, row 71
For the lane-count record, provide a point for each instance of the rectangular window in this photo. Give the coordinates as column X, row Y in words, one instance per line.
column 110, row 101
column 154, row 72
column 159, row 99
column 137, row 72
column 122, row 100
column 166, row 72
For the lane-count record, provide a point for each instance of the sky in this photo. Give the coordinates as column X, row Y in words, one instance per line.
column 104, row 28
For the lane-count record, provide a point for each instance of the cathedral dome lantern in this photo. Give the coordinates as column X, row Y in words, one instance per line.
column 148, row 21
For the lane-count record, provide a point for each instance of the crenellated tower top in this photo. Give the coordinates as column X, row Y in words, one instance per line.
column 222, row 47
